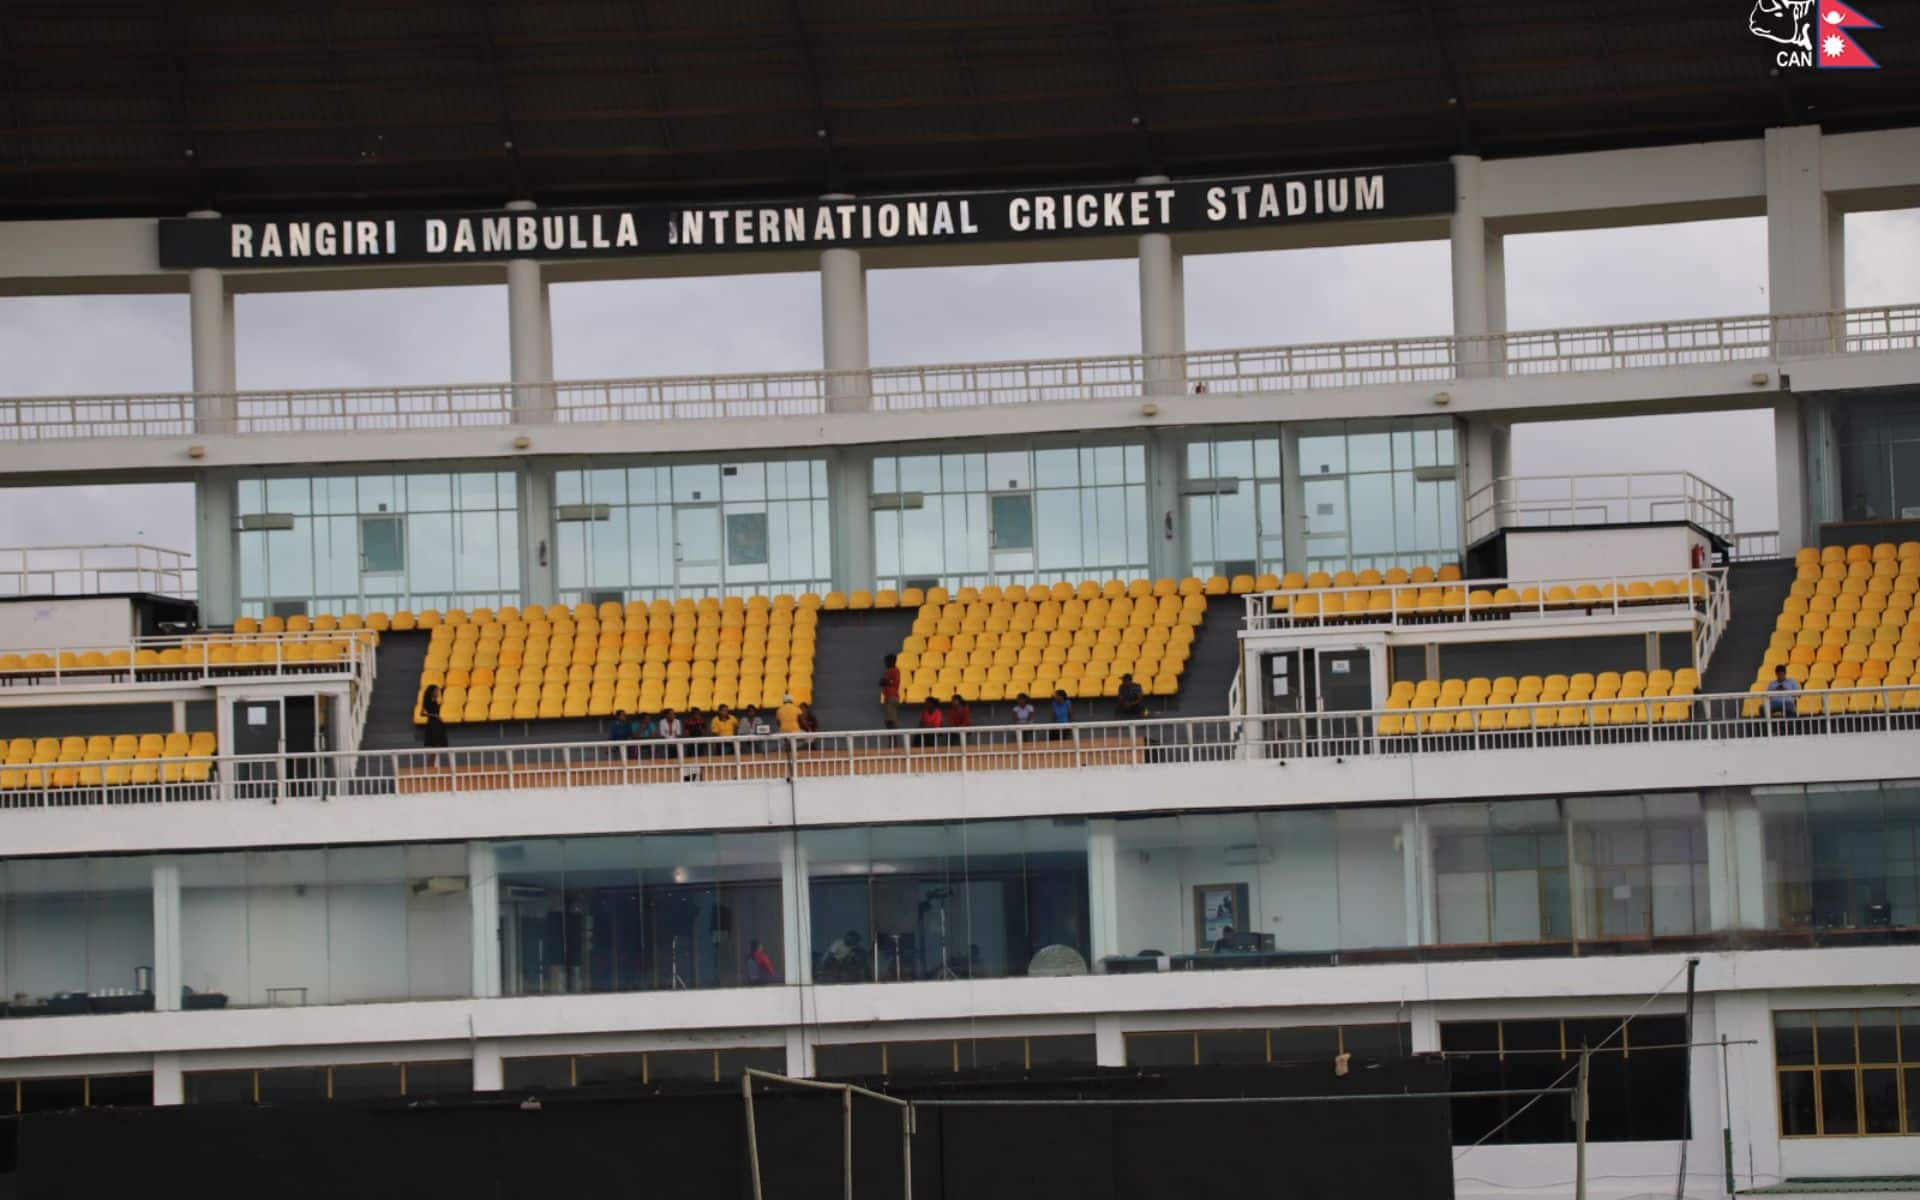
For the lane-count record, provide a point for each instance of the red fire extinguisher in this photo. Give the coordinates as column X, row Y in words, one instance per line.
column 1699, row 556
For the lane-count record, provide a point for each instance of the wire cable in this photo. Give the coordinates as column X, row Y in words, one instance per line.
column 1616, row 1031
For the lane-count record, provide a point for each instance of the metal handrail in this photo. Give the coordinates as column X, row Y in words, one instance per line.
column 120, row 663
column 1373, row 733
column 1306, row 367
column 1597, row 497
column 1280, row 609
column 68, row 571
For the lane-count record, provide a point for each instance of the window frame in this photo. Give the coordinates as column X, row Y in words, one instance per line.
column 1906, row 1058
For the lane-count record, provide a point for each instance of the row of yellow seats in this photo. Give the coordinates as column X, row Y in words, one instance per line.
column 1856, row 579
column 988, row 648
column 1296, row 581
column 1008, row 658
column 1004, row 617
column 137, row 759
column 1784, row 642
column 537, row 654
column 1422, row 600
column 218, row 654
column 668, row 623
column 1901, row 695
column 1858, row 552
column 473, row 707
column 561, row 674
column 1582, row 698
column 1039, row 689
column 1876, row 672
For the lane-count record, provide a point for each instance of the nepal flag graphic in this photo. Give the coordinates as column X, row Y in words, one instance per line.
column 1833, row 45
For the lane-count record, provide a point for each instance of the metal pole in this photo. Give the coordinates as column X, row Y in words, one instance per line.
column 906, row 1152
column 1580, row 1129
column 846, row 1146
column 753, row 1139
column 1680, row 1183
column 1726, row 1130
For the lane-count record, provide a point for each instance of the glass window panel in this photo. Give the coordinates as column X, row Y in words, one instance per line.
column 1326, row 501
column 50, row 1095
column 922, row 543
column 1371, row 523
column 1880, row 1100
column 1233, row 460
column 1111, row 463
column 1013, row 526
column 1833, row 1034
column 542, row 1073
column 430, row 553
column 1910, row 1035
column 1266, row 457
column 290, row 496
column 219, row 1087
column 429, row 493
column 1323, row 454
column 747, row 539
column 477, row 490
column 1377, row 1041
column 1793, row 1039
column 366, row 1081
column 1913, row 1099
column 1879, row 1039
column 290, row 559
column 855, row 1061
column 1056, row 468
column 920, row 473
column 920, row 1058
column 1797, row 1114
column 569, row 487
column 1839, row 1103
column 1444, row 446
column 993, row 1054
column 1232, row 1047
column 1200, row 543
column 480, row 551
column 1136, row 459
column 748, row 481
column 251, row 497
column 1007, row 471
column 680, row 1066
column 120, row 1091
column 1113, row 527
column 1305, row 1043
column 293, row 1085
column 1369, row 452
column 1235, row 537
column 886, row 474
column 1160, row 1049
column 959, row 536
column 1137, row 522
column 1060, row 1052
column 439, row 1078
column 696, row 482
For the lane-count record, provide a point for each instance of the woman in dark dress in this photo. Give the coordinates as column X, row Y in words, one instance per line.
column 436, row 733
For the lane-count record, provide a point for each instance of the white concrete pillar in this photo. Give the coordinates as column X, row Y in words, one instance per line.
column 1169, row 544
column 167, row 976
column 1750, row 1086
column 1163, row 317
column 483, row 894
column 1109, row 1042
column 1103, row 888
column 1496, row 279
column 799, row 1054
column 231, row 333
column 534, row 481
column 1790, row 474
column 1423, row 1028
column 843, row 328
column 207, row 311
column 1469, row 246
column 850, row 512
column 1293, row 499
column 796, row 932
column 529, row 337
column 1803, row 236
column 489, row 1066
column 1488, row 458
column 169, row 1082
column 215, row 550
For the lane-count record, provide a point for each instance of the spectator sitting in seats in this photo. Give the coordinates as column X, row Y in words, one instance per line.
column 1780, row 701
column 931, row 717
column 621, row 732
column 959, row 714
column 788, row 715
column 1225, row 940
column 694, row 725
column 756, row 722
column 1130, row 703
column 724, row 723
column 1022, row 710
column 1062, row 713
column 806, row 721
column 669, row 728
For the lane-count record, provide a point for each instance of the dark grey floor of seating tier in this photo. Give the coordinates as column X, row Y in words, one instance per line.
column 848, row 652
column 1756, row 590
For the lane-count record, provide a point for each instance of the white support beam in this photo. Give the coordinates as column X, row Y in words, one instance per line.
column 1163, row 317
column 843, row 327
column 529, row 337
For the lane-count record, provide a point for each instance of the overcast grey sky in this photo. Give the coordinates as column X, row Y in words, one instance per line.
column 101, row 344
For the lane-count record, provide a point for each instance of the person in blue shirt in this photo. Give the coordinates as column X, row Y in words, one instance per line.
column 1780, row 700
column 1062, row 712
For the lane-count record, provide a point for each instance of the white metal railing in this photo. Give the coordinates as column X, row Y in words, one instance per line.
column 96, row 570
column 1756, row 543
column 1374, row 733
column 1427, row 604
column 1311, row 367
column 1612, row 498
column 190, row 659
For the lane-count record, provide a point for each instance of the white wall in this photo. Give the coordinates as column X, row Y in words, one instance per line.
column 1586, row 553
column 51, row 623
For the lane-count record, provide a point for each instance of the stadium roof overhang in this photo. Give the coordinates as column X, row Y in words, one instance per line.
column 135, row 109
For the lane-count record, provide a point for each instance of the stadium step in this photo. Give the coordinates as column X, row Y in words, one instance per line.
column 1756, row 590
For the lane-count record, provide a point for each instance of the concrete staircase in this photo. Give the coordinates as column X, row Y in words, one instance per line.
column 1755, row 590
column 849, row 649
column 390, row 715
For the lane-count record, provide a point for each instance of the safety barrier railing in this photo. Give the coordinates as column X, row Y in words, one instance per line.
column 190, row 659
column 1434, row 359
column 1472, row 600
column 1597, row 498
column 1375, row 733
column 1756, row 543
column 96, row 570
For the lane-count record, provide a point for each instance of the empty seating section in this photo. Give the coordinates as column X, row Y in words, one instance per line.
column 589, row 661
column 1430, row 594
column 994, row 643
column 215, row 653
column 107, row 760
column 1849, row 621
column 1539, row 702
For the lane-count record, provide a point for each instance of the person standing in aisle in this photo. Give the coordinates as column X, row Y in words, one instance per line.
column 890, row 693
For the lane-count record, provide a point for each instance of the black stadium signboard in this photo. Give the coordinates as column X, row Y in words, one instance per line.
column 1185, row 206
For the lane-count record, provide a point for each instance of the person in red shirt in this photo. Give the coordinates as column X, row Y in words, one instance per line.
column 890, row 693
column 931, row 718
column 959, row 715
column 759, row 965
